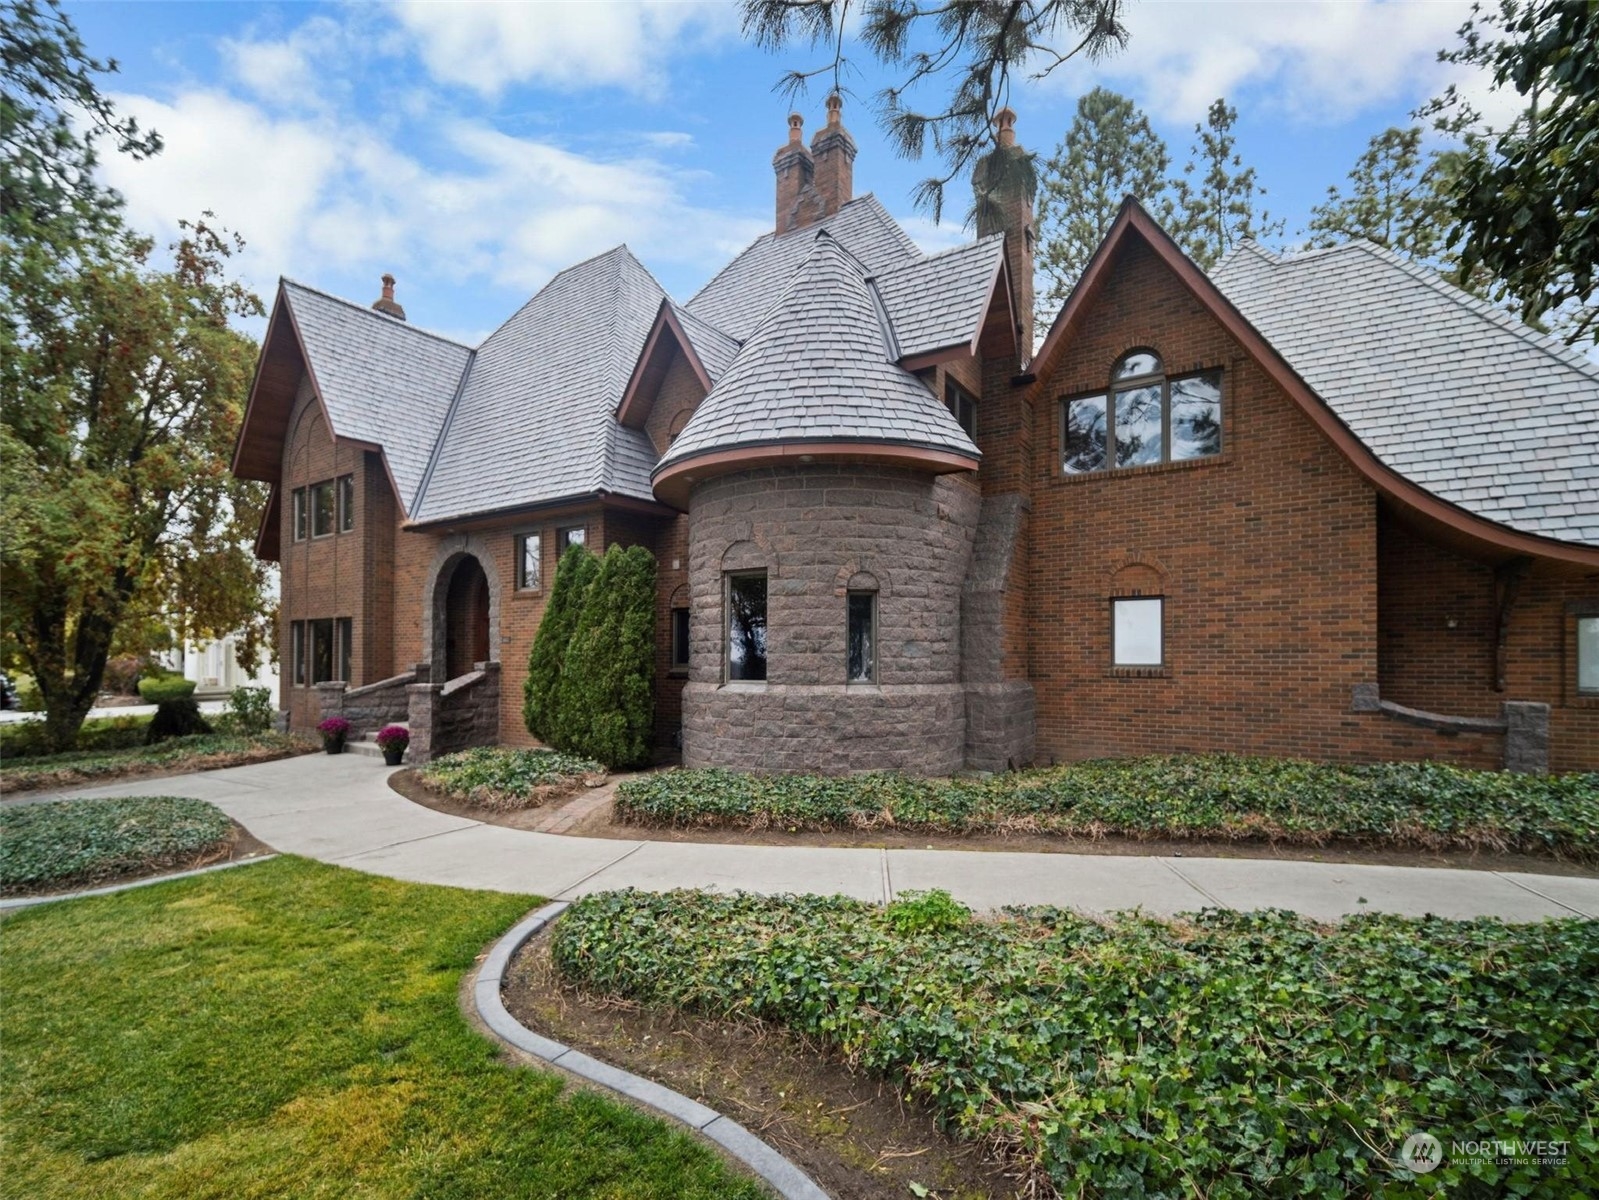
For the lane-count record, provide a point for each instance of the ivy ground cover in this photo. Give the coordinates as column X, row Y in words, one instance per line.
column 1222, row 1055
column 1426, row 806
column 200, row 752
column 291, row 1030
column 503, row 780
column 82, row 842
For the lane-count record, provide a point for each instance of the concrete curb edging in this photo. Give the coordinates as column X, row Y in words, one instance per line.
column 784, row 1177
column 30, row 901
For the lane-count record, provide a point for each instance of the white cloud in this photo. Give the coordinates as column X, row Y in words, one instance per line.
column 569, row 44
column 1313, row 61
column 320, row 195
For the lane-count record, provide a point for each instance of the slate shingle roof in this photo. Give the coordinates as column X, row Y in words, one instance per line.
column 939, row 301
column 736, row 299
column 534, row 421
column 715, row 349
column 1452, row 393
column 381, row 379
column 819, row 366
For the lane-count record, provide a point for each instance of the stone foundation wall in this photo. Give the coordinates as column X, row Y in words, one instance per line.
column 368, row 709
column 1001, row 724
column 455, row 716
column 828, row 729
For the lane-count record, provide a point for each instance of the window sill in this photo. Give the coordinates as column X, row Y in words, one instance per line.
column 744, row 685
column 677, row 673
column 1187, row 464
column 1584, row 700
column 527, row 593
column 1138, row 673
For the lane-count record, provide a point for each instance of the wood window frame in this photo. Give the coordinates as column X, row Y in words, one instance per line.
column 298, row 665
column 955, row 395
column 1108, row 395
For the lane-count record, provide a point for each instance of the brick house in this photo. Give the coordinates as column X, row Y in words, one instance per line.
column 1323, row 505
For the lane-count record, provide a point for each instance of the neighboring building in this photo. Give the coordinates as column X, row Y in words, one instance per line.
column 214, row 667
column 1324, row 506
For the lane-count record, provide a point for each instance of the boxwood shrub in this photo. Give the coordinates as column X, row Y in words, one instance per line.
column 1223, row 1055
column 59, row 843
column 503, row 780
column 1214, row 797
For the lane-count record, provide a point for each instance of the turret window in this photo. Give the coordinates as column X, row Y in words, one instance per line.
column 1144, row 418
column 746, row 626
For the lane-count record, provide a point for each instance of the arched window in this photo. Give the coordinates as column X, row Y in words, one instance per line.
column 1144, row 417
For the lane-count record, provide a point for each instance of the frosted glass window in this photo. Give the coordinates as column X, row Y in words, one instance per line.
column 1588, row 654
column 1136, row 632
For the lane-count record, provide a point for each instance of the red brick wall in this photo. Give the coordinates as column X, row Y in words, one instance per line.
column 1266, row 556
column 1427, row 663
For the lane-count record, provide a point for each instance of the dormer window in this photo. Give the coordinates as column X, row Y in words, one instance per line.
column 1143, row 418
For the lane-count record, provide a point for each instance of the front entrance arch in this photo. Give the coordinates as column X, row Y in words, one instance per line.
column 461, row 612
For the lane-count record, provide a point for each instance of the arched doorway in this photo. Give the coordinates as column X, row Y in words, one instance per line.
column 466, row 618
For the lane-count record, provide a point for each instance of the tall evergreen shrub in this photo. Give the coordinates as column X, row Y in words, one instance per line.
column 573, row 575
column 606, row 699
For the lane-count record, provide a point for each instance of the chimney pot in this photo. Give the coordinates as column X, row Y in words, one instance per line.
column 386, row 303
column 1005, row 122
column 796, row 123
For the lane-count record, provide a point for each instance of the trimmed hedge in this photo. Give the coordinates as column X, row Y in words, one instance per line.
column 63, row 843
column 508, row 779
column 1226, row 1055
column 165, row 690
column 540, row 693
column 1220, row 797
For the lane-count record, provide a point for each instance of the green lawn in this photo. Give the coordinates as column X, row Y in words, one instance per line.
column 291, row 1029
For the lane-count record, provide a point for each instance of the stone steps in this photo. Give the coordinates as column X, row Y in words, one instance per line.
column 367, row 744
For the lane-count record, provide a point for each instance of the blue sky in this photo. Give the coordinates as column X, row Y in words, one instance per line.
column 474, row 150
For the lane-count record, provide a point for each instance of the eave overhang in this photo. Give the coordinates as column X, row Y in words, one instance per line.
column 674, row 481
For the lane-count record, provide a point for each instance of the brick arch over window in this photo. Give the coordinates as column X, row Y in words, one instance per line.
column 679, row 597
column 1137, row 576
column 452, row 550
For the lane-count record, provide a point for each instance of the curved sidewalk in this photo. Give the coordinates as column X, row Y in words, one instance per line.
column 340, row 809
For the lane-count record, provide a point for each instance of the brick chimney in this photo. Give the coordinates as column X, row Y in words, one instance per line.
column 795, row 193
column 386, row 302
column 834, row 153
column 1003, row 184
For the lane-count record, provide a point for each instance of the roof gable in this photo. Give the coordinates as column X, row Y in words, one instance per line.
column 940, row 302
column 534, row 422
column 1133, row 222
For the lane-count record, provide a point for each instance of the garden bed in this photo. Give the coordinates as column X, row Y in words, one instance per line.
column 499, row 780
column 1220, row 798
column 65, row 845
column 177, row 756
column 854, row 1135
column 1226, row 1054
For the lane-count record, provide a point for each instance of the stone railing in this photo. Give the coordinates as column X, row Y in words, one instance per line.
column 373, row 706
column 445, row 717
column 1524, row 725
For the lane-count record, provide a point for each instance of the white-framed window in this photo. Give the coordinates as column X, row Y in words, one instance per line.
column 1588, row 655
column 1137, row 631
column 529, row 565
column 1143, row 418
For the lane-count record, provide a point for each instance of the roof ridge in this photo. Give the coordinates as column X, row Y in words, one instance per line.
column 947, row 252
column 613, row 336
column 1434, row 279
column 547, row 284
column 442, row 435
column 399, row 322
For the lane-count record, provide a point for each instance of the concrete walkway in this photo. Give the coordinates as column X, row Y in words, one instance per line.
column 340, row 809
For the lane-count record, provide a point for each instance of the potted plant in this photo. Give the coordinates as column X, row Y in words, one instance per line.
column 334, row 730
column 392, row 740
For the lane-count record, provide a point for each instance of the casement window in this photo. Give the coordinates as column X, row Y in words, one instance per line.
column 297, row 655
column 346, row 490
column 344, row 630
column 679, row 641
column 322, row 509
column 1588, row 656
column 577, row 535
column 860, row 637
column 302, row 517
column 1137, row 631
column 745, row 599
column 528, row 563
column 1143, row 418
column 962, row 405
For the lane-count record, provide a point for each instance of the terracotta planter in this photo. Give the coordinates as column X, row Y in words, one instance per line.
column 391, row 758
